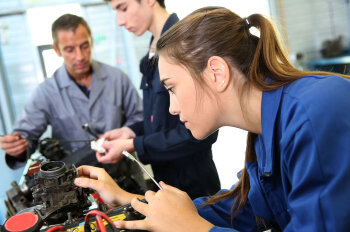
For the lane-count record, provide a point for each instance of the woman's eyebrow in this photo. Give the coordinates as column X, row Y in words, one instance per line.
column 163, row 81
column 118, row 6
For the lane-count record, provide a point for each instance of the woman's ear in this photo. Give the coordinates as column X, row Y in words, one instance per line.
column 151, row 2
column 219, row 73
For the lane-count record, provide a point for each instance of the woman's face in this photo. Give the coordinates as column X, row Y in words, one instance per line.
column 198, row 115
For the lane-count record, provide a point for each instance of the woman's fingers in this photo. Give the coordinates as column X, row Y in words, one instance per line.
column 88, row 183
column 91, row 172
column 139, row 206
column 149, row 195
column 132, row 225
column 169, row 187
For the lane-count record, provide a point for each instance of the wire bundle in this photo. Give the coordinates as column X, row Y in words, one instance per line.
column 99, row 222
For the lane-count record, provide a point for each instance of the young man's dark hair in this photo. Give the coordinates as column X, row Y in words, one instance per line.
column 67, row 22
column 161, row 2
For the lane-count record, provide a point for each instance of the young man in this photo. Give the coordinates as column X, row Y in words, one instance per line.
column 161, row 139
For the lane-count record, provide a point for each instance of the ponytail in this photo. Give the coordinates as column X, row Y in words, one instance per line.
column 220, row 32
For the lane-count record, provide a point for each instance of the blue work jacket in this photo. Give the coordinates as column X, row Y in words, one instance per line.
column 301, row 180
column 164, row 142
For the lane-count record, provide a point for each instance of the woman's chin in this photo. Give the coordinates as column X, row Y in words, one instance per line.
column 201, row 135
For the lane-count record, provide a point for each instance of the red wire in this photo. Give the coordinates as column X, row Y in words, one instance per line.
column 100, row 223
column 102, row 214
column 55, row 228
column 99, row 216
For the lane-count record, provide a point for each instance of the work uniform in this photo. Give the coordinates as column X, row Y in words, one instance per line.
column 112, row 102
column 300, row 181
column 164, row 142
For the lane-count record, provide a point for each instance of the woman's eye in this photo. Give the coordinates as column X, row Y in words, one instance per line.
column 170, row 90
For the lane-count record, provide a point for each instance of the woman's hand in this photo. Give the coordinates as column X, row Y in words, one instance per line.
column 169, row 209
column 99, row 180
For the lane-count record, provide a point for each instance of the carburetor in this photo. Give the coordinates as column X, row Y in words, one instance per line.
column 55, row 196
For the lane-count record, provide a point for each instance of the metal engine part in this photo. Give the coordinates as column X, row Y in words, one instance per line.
column 56, row 198
column 19, row 198
column 52, row 149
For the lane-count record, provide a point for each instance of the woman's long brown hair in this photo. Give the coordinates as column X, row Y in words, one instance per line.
column 216, row 31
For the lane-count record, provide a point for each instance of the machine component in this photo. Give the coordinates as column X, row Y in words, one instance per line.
column 52, row 149
column 125, row 212
column 56, row 197
column 19, row 197
column 332, row 48
column 87, row 128
column 56, row 201
column 24, row 222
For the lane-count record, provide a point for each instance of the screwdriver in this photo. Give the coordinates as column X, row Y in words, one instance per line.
column 127, row 154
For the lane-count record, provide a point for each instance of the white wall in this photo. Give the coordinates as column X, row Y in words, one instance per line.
column 243, row 8
column 228, row 153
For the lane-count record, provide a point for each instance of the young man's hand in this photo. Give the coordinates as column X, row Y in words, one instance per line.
column 114, row 149
column 120, row 133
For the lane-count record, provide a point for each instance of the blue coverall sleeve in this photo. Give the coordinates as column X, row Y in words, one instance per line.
column 137, row 128
column 219, row 214
column 132, row 103
column 316, row 160
column 32, row 123
column 170, row 144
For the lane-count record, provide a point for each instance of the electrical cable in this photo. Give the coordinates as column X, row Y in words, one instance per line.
column 56, row 228
column 86, row 127
column 57, row 140
column 99, row 223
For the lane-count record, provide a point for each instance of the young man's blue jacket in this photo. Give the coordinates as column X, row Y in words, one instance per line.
column 164, row 142
column 301, row 180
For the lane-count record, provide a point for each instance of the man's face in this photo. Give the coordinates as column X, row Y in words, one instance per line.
column 135, row 16
column 75, row 48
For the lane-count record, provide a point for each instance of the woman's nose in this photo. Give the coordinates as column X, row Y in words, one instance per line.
column 174, row 108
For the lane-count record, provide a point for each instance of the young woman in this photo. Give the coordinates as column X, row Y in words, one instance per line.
column 297, row 170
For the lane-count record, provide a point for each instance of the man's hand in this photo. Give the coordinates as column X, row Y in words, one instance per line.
column 121, row 133
column 168, row 210
column 114, row 150
column 99, row 180
column 13, row 144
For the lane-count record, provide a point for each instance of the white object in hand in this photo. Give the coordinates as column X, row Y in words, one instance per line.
column 96, row 145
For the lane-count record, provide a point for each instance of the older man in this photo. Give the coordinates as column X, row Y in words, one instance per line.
column 81, row 91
